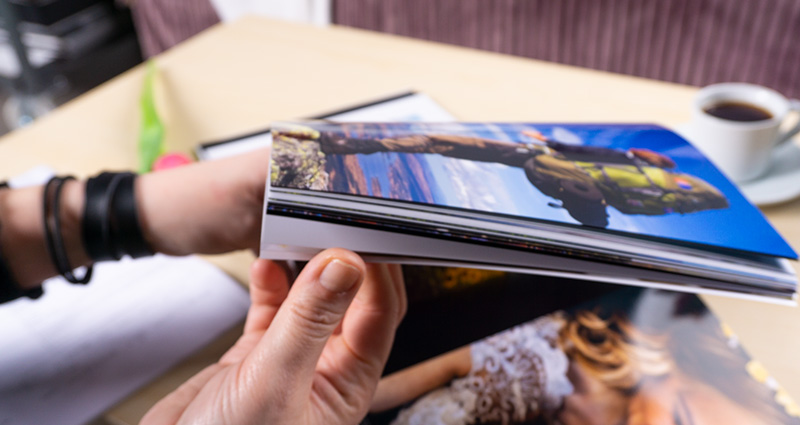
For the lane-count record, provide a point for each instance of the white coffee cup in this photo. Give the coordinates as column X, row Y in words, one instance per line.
column 741, row 149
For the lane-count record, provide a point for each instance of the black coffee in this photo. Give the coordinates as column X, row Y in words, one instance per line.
column 738, row 111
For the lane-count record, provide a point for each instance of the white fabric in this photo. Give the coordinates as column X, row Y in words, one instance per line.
column 309, row 11
column 516, row 374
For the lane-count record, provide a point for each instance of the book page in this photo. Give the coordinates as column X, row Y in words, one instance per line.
column 530, row 349
column 79, row 349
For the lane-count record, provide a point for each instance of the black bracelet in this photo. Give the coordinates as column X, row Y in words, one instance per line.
column 96, row 228
column 111, row 225
column 9, row 288
column 52, row 227
column 125, row 215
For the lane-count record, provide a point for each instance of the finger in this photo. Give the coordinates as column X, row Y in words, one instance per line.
column 170, row 408
column 355, row 359
column 400, row 287
column 379, row 305
column 268, row 289
column 304, row 323
column 397, row 275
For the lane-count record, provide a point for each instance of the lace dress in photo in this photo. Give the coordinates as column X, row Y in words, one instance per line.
column 516, row 375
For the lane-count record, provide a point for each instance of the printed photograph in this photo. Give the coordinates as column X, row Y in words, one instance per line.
column 629, row 356
column 637, row 179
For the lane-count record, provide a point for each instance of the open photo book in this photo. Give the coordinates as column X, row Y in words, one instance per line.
column 489, row 347
column 619, row 203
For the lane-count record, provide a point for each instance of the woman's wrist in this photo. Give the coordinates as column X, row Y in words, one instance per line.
column 157, row 219
column 191, row 210
column 204, row 208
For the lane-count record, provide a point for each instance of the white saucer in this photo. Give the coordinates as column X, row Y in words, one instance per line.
column 780, row 184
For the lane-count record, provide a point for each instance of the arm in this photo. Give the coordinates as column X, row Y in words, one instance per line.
column 655, row 403
column 207, row 208
column 413, row 382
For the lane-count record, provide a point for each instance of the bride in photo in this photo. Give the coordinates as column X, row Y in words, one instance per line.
column 583, row 369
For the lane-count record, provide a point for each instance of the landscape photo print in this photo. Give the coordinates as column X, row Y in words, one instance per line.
column 636, row 179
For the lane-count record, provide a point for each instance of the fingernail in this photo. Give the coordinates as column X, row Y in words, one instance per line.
column 339, row 276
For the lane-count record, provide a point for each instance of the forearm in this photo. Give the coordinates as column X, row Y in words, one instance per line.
column 205, row 208
column 22, row 236
column 413, row 382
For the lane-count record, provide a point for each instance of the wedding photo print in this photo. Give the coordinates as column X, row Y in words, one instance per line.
column 620, row 356
column 634, row 179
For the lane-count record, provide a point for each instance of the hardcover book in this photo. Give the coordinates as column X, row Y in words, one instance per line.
column 619, row 203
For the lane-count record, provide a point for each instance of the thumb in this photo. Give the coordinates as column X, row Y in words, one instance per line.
column 314, row 308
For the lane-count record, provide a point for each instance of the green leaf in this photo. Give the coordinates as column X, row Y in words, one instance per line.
column 151, row 131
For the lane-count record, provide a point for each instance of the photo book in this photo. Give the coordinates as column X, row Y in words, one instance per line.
column 491, row 347
column 618, row 203
column 544, row 220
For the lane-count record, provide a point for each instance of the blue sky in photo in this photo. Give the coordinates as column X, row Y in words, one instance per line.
column 499, row 188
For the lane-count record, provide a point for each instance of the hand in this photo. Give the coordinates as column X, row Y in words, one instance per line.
column 312, row 355
column 205, row 208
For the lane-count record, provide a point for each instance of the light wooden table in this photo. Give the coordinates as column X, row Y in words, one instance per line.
column 236, row 78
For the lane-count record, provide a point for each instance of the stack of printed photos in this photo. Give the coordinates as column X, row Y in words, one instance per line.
column 630, row 204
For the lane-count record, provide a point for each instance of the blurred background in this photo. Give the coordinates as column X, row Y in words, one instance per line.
column 53, row 50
